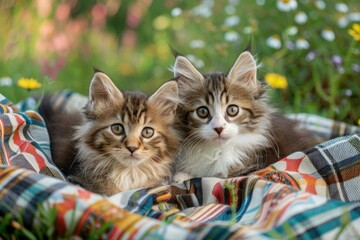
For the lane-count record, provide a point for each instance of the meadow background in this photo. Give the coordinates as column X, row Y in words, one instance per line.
column 309, row 50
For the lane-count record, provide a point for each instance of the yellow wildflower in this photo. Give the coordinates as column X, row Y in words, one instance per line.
column 28, row 83
column 358, row 121
column 355, row 31
column 275, row 80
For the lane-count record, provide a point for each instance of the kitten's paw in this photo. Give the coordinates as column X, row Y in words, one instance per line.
column 181, row 177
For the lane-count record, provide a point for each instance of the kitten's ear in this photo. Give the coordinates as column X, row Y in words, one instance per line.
column 184, row 68
column 103, row 90
column 166, row 98
column 244, row 70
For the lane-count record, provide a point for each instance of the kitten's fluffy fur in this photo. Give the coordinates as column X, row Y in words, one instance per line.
column 228, row 125
column 112, row 139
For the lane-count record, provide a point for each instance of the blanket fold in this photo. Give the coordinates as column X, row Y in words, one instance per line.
column 313, row 194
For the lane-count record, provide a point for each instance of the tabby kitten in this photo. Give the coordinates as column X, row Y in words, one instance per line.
column 228, row 125
column 119, row 141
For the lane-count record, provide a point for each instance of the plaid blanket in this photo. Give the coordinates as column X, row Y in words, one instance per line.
column 308, row 195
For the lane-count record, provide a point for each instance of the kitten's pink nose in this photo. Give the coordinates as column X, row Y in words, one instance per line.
column 132, row 149
column 218, row 130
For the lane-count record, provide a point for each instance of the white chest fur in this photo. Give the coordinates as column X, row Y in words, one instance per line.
column 215, row 158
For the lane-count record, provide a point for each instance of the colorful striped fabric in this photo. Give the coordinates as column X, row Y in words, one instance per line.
column 308, row 195
column 24, row 140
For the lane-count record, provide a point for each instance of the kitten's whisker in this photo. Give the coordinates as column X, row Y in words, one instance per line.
column 273, row 141
column 189, row 145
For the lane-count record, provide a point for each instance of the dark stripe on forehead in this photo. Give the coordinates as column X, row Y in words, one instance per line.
column 141, row 113
column 224, row 92
column 135, row 106
column 216, row 80
column 216, row 85
column 207, row 99
column 211, row 96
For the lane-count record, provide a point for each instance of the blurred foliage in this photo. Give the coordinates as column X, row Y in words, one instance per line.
column 305, row 41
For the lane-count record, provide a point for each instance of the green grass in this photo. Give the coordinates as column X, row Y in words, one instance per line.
column 132, row 46
column 12, row 226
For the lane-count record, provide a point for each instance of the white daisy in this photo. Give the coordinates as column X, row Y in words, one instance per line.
column 341, row 7
column 248, row 30
column 6, row 81
column 197, row 44
column 286, row 5
column 301, row 18
column 232, row 21
column 274, row 42
column 204, row 9
column 343, row 21
column 320, row 4
column 301, row 43
column 328, row 34
column 231, row 36
column 292, row 31
column 354, row 17
column 176, row 12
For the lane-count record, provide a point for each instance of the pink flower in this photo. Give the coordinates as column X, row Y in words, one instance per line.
column 62, row 12
column 51, row 69
column 99, row 13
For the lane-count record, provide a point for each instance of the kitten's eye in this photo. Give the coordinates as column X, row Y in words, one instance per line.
column 117, row 129
column 147, row 132
column 232, row 110
column 202, row 112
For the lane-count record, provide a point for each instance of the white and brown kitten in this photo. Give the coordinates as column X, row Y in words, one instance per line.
column 120, row 141
column 228, row 125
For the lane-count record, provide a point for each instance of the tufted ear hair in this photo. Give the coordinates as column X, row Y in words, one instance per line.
column 103, row 91
column 244, row 70
column 166, row 98
column 183, row 68
column 187, row 75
